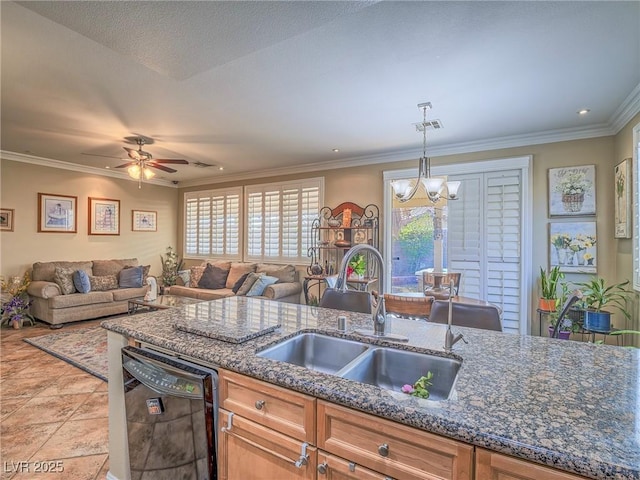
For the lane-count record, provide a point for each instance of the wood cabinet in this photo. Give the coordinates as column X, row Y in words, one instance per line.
column 496, row 466
column 331, row 467
column 390, row 448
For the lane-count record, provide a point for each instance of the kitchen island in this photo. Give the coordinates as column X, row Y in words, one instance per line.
column 568, row 405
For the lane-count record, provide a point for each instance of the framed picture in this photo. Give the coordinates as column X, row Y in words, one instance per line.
column 622, row 207
column 6, row 219
column 572, row 191
column 572, row 246
column 104, row 216
column 57, row 213
column 144, row 221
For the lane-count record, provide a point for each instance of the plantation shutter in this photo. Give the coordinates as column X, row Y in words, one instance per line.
column 485, row 239
column 279, row 219
column 212, row 223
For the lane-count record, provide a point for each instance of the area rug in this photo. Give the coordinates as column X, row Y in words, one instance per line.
column 84, row 348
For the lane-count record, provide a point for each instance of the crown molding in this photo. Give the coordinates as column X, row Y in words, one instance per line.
column 48, row 162
column 626, row 111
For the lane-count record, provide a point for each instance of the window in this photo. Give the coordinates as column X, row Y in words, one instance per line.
column 212, row 223
column 279, row 218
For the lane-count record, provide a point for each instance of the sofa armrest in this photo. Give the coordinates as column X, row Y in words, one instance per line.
column 43, row 289
column 280, row 290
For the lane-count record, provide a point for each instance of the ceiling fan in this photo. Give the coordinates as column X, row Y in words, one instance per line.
column 141, row 161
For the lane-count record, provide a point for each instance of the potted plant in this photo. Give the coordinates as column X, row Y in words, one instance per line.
column 596, row 296
column 357, row 266
column 549, row 288
column 15, row 311
column 171, row 263
column 568, row 324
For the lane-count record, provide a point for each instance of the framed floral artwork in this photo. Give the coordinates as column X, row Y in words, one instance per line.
column 622, row 206
column 104, row 216
column 572, row 246
column 6, row 219
column 572, row 191
column 57, row 213
column 144, row 221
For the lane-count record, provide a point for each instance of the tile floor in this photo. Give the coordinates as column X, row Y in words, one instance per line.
column 52, row 414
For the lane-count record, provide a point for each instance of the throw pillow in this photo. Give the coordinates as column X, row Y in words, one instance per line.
column 130, row 277
column 248, row 283
column 284, row 273
column 64, row 278
column 213, row 278
column 238, row 284
column 145, row 271
column 261, row 283
column 237, row 270
column 195, row 275
column 185, row 276
column 103, row 283
column 81, row 281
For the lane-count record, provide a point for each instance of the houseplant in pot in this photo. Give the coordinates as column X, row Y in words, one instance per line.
column 549, row 288
column 596, row 296
column 568, row 325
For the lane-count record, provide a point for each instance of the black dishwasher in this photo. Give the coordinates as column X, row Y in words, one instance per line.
column 171, row 409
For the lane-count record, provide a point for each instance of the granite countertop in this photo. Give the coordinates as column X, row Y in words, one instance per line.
column 570, row 405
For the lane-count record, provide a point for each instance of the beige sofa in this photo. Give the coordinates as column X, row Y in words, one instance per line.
column 50, row 305
column 287, row 289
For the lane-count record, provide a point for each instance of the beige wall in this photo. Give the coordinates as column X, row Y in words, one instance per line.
column 21, row 182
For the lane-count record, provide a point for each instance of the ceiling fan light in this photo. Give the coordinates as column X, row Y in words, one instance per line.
column 148, row 173
column 134, row 171
column 452, row 189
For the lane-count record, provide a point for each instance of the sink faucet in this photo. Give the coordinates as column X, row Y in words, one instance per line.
column 449, row 338
column 575, row 296
column 379, row 314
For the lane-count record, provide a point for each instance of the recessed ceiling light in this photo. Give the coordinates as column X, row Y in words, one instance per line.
column 220, row 168
column 335, row 150
column 583, row 111
column 107, row 167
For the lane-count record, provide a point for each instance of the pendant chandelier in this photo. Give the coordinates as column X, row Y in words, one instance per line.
column 435, row 187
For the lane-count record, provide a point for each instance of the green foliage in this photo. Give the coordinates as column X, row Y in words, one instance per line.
column 597, row 294
column 416, row 241
column 421, row 387
column 358, row 264
column 549, row 282
column 171, row 263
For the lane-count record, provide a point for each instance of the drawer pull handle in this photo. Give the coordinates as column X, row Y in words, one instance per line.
column 303, row 460
column 383, row 450
column 229, row 423
column 322, row 468
column 259, row 404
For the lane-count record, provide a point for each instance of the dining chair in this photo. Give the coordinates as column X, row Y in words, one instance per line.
column 350, row 300
column 408, row 307
column 486, row 317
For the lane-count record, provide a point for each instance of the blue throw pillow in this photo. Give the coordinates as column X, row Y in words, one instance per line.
column 131, row 277
column 81, row 281
column 261, row 283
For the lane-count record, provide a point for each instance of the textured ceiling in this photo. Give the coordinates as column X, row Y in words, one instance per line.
column 275, row 86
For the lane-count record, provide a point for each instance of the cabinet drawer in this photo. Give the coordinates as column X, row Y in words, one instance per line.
column 331, row 467
column 283, row 410
column 396, row 450
column 251, row 451
column 496, row 466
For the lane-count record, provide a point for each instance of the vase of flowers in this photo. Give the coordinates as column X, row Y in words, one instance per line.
column 572, row 187
column 171, row 263
column 15, row 311
column 561, row 243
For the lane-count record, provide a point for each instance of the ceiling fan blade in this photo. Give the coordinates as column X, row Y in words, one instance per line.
column 128, row 164
column 169, row 160
column 133, row 153
column 98, row 155
column 160, row 167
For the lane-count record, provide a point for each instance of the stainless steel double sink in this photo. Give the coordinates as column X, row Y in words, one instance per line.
column 384, row 367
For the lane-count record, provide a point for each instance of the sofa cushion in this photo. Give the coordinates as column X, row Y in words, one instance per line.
column 223, row 264
column 238, row 284
column 238, row 269
column 81, row 281
column 248, row 283
column 64, row 278
column 130, row 277
column 77, row 299
column 128, row 293
column 195, row 275
column 213, row 278
column 200, row 293
column 112, row 267
column 103, row 282
column 284, row 273
column 46, row 270
column 260, row 284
